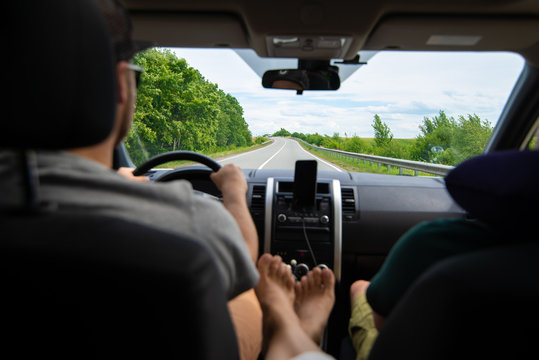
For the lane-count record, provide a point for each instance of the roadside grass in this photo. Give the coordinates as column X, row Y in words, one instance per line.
column 350, row 165
column 214, row 155
column 360, row 166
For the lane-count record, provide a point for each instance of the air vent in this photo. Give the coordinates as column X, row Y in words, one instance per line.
column 258, row 200
column 348, row 204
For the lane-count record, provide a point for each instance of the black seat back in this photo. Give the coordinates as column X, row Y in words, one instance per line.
column 61, row 82
column 482, row 305
column 86, row 287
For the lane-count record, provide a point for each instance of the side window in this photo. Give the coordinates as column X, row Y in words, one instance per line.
column 533, row 142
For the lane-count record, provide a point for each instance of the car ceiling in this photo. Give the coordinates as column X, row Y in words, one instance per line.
column 436, row 25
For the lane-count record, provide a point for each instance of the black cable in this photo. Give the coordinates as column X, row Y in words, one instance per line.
column 30, row 179
column 308, row 242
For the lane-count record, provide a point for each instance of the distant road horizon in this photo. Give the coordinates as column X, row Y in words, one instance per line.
column 281, row 154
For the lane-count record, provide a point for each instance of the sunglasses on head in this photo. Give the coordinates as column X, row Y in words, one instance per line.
column 138, row 71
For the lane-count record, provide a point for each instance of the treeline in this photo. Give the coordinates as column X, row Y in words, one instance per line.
column 447, row 140
column 177, row 109
column 442, row 140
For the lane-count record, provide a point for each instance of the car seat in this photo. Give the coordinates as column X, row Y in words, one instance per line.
column 483, row 304
column 88, row 286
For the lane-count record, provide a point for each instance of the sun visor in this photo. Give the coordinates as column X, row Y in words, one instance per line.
column 190, row 29
column 454, row 33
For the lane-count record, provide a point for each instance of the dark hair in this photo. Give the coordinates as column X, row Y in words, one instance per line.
column 121, row 29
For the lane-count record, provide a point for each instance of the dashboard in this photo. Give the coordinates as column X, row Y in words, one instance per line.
column 350, row 226
column 353, row 223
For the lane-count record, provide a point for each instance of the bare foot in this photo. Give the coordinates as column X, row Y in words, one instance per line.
column 360, row 287
column 276, row 281
column 283, row 336
column 357, row 288
column 315, row 297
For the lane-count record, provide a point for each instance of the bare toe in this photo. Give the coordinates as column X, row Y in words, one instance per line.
column 328, row 279
column 275, row 264
column 263, row 263
column 315, row 281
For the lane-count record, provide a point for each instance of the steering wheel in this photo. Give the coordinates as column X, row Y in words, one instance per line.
column 179, row 173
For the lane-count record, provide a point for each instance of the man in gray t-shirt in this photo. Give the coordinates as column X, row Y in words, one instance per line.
column 89, row 187
column 82, row 180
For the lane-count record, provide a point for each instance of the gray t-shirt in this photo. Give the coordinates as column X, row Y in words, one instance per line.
column 77, row 184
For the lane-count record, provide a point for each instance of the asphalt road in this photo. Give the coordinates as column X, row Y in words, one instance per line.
column 281, row 154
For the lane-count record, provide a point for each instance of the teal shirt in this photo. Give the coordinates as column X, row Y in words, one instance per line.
column 417, row 250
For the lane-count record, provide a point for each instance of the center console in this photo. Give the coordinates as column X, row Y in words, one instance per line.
column 303, row 220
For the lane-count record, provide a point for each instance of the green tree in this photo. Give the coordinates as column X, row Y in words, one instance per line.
column 282, row 132
column 315, row 139
column 355, row 144
column 382, row 133
column 333, row 142
column 177, row 109
column 471, row 137
column 436, row 138
column 448, row 141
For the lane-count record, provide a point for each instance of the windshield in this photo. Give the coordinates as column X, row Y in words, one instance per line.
column 434, row 107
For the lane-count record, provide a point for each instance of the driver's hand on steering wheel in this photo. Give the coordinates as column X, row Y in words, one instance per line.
column 127, row 172
column 231, row 181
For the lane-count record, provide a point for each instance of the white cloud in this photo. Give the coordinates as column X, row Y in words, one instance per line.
column 401, row 87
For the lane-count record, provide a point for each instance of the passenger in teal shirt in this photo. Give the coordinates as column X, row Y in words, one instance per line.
column 417, row 250
column 498, row 189
column 421, row 247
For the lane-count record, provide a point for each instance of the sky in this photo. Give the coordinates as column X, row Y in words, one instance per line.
column 401, row 87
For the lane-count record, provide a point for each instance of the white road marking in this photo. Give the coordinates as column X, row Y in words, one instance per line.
column 317, row 158
column 267, row 161
column 245, row 153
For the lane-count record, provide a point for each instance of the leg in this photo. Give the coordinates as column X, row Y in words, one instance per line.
column 359, row 288
column 246, row 315
column 284, row 337
column 362, row 327
column 315, row 297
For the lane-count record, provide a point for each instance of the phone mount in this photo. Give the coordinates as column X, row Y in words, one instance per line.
column 303, row 220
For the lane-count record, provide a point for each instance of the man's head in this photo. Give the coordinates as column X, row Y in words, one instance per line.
column 125, row 48
column 115, row 18
column 61, row 90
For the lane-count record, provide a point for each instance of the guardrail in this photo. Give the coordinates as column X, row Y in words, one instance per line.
column 416, row 166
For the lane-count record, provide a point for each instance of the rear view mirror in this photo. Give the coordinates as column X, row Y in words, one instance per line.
column 302, row 79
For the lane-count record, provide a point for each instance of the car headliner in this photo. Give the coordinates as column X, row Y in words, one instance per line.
column 498, row 25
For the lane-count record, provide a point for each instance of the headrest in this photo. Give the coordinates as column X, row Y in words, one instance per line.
column 500, row 188
column 61, row 81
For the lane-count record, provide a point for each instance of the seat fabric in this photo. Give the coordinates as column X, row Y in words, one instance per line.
column 482, row 305
column 118, row 291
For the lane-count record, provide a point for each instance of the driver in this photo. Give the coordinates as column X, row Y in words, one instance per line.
column 81, row 180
